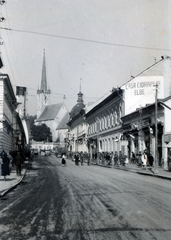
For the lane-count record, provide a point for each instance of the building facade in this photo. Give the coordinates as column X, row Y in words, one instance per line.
column 144, row 114
column 139, row 130
column 77, row 134
column 12, row 134
column 105, row 126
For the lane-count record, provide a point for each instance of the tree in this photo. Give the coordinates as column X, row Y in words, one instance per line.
column 40, row 132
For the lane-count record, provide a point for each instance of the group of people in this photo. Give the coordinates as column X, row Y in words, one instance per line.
column 142, row 159
column 9, row 160
column 78, row 157
column 120, row 159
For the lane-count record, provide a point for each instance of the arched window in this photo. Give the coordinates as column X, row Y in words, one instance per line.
column 91, row 128
column 115, row 118
column 109, row 145
column 109, row 125
column 102, row 123
column 105, row 122
column 111, row 119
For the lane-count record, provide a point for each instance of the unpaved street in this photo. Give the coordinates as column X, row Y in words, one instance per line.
column 85, row 202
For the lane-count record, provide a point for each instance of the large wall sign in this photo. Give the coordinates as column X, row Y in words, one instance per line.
column 141, row 91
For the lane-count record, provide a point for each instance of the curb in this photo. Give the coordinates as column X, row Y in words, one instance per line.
column 138, row 172
column 154, row 175
column 12, row 187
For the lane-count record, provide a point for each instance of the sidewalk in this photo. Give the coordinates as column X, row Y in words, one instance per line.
column 162, row 173
column 12, row 180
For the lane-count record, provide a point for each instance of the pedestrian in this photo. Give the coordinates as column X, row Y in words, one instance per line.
column 144, row 159
column 151, row 159
column 108, row 159
column 116, row 159
column 77, row 159
column 18, row 163
column 5, row 168
column 126, row 160
column 88, row 159
column 82, row 160
column 63, row 160
column 133, row 157
column 139, row 160
column 11, row 160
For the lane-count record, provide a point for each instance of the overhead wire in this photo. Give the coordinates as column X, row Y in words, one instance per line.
column 12, row 46
column 54, row 93
column 85, row 40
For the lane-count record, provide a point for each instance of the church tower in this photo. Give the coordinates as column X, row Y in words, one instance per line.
column 43, row 94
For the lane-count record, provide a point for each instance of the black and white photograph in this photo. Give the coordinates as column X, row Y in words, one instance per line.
column 85, row 111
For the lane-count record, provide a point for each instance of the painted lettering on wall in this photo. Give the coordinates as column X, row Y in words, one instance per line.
column 139, row 87
column 139, row 91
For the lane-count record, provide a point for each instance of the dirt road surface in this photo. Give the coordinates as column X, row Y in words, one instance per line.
column 86, row 203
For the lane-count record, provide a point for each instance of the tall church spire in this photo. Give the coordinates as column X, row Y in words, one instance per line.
column 43, row 94
column 44, row 81
column 43, row 85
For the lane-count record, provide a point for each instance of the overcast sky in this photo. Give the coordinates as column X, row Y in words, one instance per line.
column 102, row 42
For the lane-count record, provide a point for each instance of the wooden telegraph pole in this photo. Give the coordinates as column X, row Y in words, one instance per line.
column 156, row 134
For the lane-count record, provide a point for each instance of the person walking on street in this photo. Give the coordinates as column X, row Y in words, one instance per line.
column 82, row 159
column 5, row 168
column 63, row 160
column 116, row 159
column 18, row 163
column 88, row 159
column 77, row 159
column 133, row 159
column 151, row 159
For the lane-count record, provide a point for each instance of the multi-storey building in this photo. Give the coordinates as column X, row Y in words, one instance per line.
column 144, row 114
column 12, row 134
column 77, row 127
column 105, row 126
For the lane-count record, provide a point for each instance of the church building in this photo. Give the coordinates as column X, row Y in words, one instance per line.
column 50, row 114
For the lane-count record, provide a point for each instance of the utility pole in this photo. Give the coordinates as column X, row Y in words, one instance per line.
column 24, row 112
column 156, row 134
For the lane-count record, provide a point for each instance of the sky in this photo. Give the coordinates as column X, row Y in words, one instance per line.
column 98, row 44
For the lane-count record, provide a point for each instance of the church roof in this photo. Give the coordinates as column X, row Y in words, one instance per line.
column 50, row 112
column 63, row 123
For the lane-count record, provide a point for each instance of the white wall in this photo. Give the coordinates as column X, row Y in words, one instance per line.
column 141, row 91
column 168, row 117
